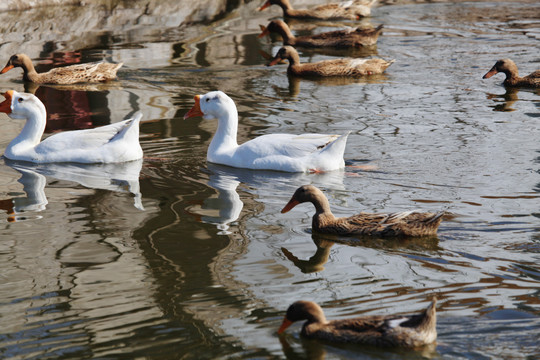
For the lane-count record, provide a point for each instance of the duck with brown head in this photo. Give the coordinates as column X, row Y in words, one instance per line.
column 408, row 331
column 346, row 67
column 348, row 38
column 509, row 68
column 81, row 73
column 348, row 10
column 408, row 223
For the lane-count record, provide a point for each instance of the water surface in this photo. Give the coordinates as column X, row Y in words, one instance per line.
column 195, row 260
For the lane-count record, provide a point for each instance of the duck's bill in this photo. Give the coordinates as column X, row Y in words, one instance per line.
column 284, row 325
column 264, row 32
column 6, row 69
column 196, row 109
column 490, row 73
column 289, row 206
column 5, row 106
column 275, row 61
column 265, row 5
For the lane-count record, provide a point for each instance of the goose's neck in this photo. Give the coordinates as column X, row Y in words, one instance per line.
column 32, row 131
column 225, row 137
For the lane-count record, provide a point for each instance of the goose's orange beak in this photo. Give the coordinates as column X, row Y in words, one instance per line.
column 490, row 73
column 264, row 30
column 5, row 106
column 196, row 109
column 6, row 68
column 265, row 5
column 284, row 325
column 292, row 203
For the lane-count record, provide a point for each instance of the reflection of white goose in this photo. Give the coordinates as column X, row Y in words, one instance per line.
column 227, row 203
column 114, row 177
column 227, row 206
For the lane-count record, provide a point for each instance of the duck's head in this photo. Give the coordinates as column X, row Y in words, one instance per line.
column 211, row 105
column 17, row 60
column 302, row 310
column 506, row 66
column 306, row 193
column 286, row 53
column 20, row 105
column 281, row 3
column 274, row 26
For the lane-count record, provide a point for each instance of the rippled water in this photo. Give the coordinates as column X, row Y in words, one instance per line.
column 194, row 260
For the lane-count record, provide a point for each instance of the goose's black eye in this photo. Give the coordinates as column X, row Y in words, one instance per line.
column 207, row 99
column 20, row 100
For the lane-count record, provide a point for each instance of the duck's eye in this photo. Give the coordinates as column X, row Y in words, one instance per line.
column 20, row 100
column 207, row 99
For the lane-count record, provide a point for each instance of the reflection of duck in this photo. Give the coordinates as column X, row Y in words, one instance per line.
column 509, row 68
column 510, row 97
column 409, row 223
column 113, row 143
column 281, row 152
column 409, row 331
column 349, row 10
column 113, row 177
column 317, row 261
column 333, row 67
column 80, row 73
column 352, row 37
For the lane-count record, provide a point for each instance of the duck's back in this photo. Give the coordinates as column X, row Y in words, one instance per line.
column 80, row 73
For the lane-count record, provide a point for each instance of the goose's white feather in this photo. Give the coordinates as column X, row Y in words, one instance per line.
column 281, row 152
column 113, row 143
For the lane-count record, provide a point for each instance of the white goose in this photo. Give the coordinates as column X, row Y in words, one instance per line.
column 281, row 152
column 113, row 143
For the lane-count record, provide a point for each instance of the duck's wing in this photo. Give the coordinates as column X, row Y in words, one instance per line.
column 286, row 145
column 70, row 74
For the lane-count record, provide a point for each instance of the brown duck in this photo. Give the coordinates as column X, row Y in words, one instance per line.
column 348, row 10
column 409, row 331
column 408, row 223
column 334, row 67
column 354, row 37
column 81, row 73
column 508, row 67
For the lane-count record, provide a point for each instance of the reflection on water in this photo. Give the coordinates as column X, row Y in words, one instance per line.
column 208, row 268
column 120, row 177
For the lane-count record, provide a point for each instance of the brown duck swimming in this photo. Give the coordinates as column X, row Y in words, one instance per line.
column 409, row 223
column 409, row 331
column 81, row 73
column 354, row 37
column 334, row 67
column 348, row 10
column 508, row 67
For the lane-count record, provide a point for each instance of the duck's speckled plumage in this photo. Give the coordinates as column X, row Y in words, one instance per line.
column 408, row 223
column 509, row 68
column 408, row 331
column 348, row 10
column 81, row 73
column 336, row 67
column 353, row 37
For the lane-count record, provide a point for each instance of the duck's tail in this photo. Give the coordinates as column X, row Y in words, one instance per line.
column 429, row 320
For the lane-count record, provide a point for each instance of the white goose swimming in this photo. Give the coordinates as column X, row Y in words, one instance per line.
column 113, row 143
column 280, row 152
